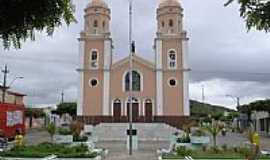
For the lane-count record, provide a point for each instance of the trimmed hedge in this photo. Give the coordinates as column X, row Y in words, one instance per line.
column 46, row 149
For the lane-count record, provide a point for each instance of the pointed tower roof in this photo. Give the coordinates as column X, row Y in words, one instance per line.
column 169, row 3
column 97, row 3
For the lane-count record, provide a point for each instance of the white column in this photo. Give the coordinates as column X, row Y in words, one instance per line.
column 185, row 77
column 81, row 79
column 106, row 93
column 106, row 77
column 159, row 78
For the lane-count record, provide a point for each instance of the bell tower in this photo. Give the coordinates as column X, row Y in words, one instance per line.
column 171, row 61
column 95, row 60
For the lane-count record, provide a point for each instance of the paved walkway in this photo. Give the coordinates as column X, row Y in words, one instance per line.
column 146, row 151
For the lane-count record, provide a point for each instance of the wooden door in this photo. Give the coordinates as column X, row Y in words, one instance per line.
column 148, row 112
column 116, row 112
column 135, row 111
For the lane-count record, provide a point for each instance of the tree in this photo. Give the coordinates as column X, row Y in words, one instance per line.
column 214, row 129
column 34, row 113
column 20, row 19
column 69, row 108
column 51, row 128
column 260, row 105
column 246, row 109
column 255, row 12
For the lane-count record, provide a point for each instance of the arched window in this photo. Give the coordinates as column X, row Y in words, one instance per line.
column 136, row 81
column 171, row 23
column 95, row 23
column 172, row 59
column 94, row 59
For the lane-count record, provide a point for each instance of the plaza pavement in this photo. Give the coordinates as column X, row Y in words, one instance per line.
column 147, row 150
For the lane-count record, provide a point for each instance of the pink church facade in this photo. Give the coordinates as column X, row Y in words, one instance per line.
column 160, row 88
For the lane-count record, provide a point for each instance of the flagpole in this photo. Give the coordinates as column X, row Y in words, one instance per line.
column 130, row 78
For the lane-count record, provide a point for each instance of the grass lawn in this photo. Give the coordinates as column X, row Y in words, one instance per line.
column 46, row 149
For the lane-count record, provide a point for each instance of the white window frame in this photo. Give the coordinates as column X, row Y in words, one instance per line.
column 91, row 61
column 169, row 60
column 90, row 84
column 124, row 80
column 176, row 82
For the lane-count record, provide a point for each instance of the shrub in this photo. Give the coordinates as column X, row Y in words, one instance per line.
column 80, row 138
column 64, row 131
column 183, row 151
column 224, row 147
column 183, row 139
column 45, row 149
column 215, row 149
column 51, row 128
column 204, row 148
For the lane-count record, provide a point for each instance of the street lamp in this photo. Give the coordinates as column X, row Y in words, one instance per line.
column 236, row 99
column 14, row 81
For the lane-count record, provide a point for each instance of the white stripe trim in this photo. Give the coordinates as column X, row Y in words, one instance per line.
column 81, row 80
column 186, row 78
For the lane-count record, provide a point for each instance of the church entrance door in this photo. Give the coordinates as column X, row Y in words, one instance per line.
column 117, row 111
column 148, row 111
column 135, row 110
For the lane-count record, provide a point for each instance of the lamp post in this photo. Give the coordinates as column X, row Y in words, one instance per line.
column 235, row 98
column 130, row 79
column 14, row 81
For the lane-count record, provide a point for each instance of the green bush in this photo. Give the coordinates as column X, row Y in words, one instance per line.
column 183, row 139
column 224, row 147
column 183, row 151
column 46, row 149
column 64, row 131
column 80, row 138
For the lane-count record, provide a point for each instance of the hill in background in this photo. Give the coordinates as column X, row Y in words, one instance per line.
column 199, row 109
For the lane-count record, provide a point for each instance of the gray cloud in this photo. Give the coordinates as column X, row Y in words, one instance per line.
column 223, row 56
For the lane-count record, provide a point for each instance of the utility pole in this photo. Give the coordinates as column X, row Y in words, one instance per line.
column 203, row 96
column 238, row 102
column 62, row 97
column 5, row 71
column 130, row 79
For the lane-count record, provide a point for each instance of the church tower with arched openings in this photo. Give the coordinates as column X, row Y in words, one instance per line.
column 172, row 68
column 95, row 60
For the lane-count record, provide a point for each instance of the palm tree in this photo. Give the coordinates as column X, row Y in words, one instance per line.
column 214, row 129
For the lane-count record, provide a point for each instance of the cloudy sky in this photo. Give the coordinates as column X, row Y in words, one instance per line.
column 224, row 57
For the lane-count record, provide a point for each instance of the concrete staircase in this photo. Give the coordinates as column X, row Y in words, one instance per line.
column 146, row 131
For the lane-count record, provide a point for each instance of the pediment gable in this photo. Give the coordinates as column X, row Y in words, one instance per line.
column 136, row 59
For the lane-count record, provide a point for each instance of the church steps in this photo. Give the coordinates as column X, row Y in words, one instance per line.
column 146, row 131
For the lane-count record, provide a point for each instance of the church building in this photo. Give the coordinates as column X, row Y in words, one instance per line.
column 160, row 87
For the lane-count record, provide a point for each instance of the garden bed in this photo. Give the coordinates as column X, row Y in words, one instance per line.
column 198, row 154
column 47, row 149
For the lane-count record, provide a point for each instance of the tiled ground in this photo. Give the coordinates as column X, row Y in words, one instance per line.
column 147, row 150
